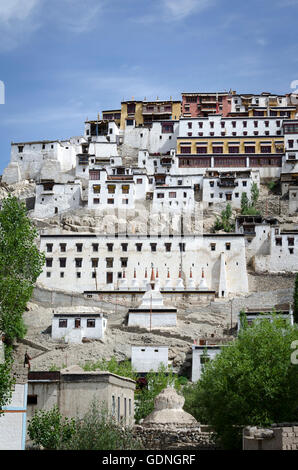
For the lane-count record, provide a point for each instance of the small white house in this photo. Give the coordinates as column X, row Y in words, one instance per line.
column 201, row 355
column 149, row 357
column 73, row 327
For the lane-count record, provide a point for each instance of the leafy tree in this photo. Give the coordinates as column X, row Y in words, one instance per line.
column 248, row 207
column 295, row 306
column 244, row 203
column 49, row 429
column 6, row 380
column 251, row 382
column 225, row 223
column 254, row 194
column 20, row 265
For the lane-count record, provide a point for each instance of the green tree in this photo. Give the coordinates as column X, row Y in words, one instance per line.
column 6, row 380
column 251, row 382
column 244, row 203
column 225, row 223
column 295, row 303
column 49, row 429
column 254, row 194
column 20, row 265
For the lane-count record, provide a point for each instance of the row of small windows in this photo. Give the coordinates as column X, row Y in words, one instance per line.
column 234, row 123
column 110, row 247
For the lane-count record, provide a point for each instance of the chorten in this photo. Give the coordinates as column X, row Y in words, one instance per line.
column 168, row 411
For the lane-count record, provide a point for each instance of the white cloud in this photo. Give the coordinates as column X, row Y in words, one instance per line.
column 173, row 10
column 12, row 10
column 179, row 9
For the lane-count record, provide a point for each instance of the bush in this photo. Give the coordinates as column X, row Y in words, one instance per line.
column 49, row 429
column 99, row 431
column 95, row 431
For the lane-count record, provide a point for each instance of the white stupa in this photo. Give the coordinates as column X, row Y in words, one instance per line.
column 152, row 313
column 203, row 285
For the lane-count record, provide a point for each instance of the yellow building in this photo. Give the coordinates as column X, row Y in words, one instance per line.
column 143, row 113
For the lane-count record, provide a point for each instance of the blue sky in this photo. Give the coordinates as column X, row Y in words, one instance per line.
column 65, row 60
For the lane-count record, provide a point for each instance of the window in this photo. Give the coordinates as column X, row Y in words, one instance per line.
column 62, row 274
column 78, row 275
column 111, row 188
column 291, row 241
column 113, row 405
column 96, row 188
column 62, row 323
column 96, row 200
column 211, row 184
column 125, row 189
column 78, row 262
column 124, row 246
column 119, row 414
column 168, row 246
column 109, row 278
column 95, row 246
column 110, row 246
column 123, row 262
column 139, row 181
column 172, row 194
column 228, row 246
column 62, row 262
column 32, row 400
column 63, row 247
column 110, row 262
column 244, row 183
column 153, row 246
column 49, row 262
column 182, row 247
column 139, row 246
column 278, row 241
column 90, row 323
column 125, row 201
column 213, row 246
column 49, row 247
column 110, row 201
column 94, row 262
column 94, row 174
column 21, row 148
column 48, row 274
column 79, row 247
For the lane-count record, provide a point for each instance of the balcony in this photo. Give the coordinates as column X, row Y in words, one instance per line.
column 227, row 183
column 160, row 110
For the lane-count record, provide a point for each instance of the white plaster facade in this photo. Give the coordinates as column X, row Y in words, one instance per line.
column 149, row 357
column 283, row 253
column 228, row 187
column 54, row 198
column 91, row 262
column 13, row 420
column 74, row 327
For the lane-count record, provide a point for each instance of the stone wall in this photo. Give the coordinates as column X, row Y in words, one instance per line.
column 165, row 438
column 278, row 437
